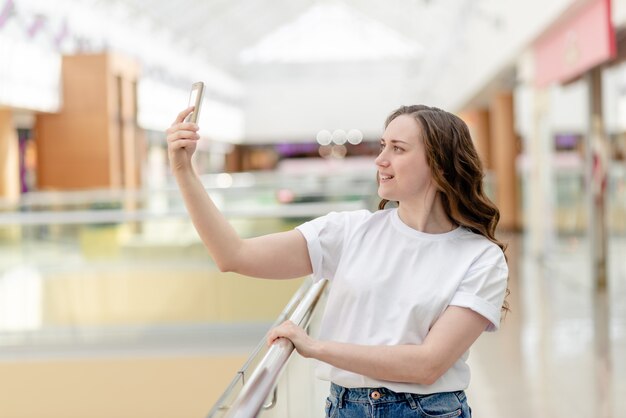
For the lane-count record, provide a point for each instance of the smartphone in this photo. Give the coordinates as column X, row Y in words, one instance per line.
column 195, row 99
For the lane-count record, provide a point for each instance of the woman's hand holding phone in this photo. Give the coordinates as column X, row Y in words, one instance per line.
column 182, row 139
column 182, row 136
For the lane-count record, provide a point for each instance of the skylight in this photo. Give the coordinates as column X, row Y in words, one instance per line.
column 331, row 31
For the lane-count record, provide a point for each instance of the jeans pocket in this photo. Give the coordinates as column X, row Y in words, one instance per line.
column 440, row 405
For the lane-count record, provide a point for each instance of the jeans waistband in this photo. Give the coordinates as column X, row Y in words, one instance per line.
column 383, row 395
column 364, row 394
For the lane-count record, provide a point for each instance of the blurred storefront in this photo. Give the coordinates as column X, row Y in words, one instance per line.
column 549, row 131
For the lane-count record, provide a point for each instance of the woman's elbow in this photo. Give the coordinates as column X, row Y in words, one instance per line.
column 426, row 375
column 225, row 268
column 229, row 262
column 430, row 377
column 226, row 265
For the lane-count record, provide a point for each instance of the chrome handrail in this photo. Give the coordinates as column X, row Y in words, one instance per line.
column 264, row 378
column 240, row 377
column 70, row 217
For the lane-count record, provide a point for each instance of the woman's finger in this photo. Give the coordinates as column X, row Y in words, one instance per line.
column 182, row 143
column 272, row 336
column 276, row 333
column 185, row 126
column 177, row 135
column 182, row 115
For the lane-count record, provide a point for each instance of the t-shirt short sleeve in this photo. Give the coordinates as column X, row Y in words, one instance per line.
column 325, row 237
column 484, row 287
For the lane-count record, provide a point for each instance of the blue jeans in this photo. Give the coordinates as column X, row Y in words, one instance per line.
column 384, row 403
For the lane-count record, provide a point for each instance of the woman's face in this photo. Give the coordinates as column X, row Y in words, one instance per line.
column 403, row 173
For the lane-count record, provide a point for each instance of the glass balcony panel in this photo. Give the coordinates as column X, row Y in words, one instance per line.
column 113, row 266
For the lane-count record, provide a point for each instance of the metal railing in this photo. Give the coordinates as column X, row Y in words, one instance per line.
column 263, row 378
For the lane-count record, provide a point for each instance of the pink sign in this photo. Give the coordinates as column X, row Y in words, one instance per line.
column 579, row 42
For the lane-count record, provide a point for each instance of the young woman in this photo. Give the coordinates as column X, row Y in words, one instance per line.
column 412, row 287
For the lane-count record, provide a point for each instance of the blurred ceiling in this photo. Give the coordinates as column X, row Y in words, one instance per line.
column 447, row 46
column 443, row 52
column 221, row 30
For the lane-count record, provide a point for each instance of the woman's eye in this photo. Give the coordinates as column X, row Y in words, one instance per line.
column 397, row 149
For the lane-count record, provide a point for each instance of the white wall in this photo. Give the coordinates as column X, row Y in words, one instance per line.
column 490, row 49
column 30, row 77
column 322, row 96
column 618, row 11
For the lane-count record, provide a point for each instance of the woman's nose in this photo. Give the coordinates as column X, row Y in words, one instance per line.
column 381, row 160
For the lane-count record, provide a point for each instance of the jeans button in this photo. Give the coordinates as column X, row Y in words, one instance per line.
column 375, row 395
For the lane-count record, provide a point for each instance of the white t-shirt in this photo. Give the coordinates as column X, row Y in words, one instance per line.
column 390, row 283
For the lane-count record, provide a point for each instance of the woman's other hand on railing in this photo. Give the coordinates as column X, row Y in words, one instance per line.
column 304, row 344
column 182, row 139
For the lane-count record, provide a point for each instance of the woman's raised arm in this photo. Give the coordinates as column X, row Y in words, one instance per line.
column 281, row 255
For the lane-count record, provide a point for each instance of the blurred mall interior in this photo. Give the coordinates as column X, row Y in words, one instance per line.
column 110, row 305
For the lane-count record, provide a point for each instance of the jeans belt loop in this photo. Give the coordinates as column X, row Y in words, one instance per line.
column 341, row 395
column 411, row 400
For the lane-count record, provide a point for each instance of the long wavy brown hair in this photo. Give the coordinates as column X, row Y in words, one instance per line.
column 457, row 171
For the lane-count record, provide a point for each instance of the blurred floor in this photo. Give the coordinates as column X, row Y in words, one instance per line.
column 561, row 352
